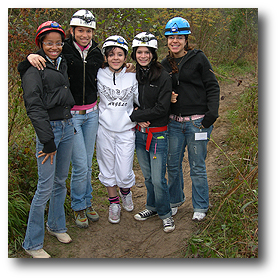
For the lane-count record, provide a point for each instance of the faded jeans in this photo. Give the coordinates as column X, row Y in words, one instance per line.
column 153, row 166
column 51, row 186
column 83, row 148
column 180, row 136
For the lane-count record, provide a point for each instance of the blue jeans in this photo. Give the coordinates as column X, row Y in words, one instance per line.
column 51, row 186
column 83, row 148
column 153, row 166
column 180, row 136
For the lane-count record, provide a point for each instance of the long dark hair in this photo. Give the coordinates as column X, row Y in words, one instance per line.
column 171, row 59
column 152, row 72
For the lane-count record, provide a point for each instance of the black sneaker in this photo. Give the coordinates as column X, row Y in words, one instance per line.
column 144, row 215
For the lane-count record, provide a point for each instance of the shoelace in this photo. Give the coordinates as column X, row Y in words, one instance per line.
column 168, row 222
column 145, row 213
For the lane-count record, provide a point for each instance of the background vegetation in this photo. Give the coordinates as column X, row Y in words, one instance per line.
column 229, row 38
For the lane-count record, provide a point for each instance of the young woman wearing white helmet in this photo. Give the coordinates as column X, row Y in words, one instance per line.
column 115, row 142
column 151, row 131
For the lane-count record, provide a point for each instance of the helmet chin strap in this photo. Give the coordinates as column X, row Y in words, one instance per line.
column 115, row 71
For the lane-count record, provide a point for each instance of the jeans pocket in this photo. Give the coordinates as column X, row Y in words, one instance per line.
column 197, row 123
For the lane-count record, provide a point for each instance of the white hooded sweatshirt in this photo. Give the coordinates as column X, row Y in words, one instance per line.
column 116, row 100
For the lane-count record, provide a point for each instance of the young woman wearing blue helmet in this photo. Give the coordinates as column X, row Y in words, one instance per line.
column 194, row 109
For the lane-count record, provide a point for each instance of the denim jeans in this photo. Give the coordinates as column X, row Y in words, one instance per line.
column 51, row 186
column 83, row 148
column 180, row 136
column 153, row 166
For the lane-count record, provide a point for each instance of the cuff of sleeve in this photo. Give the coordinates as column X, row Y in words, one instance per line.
column 49, row 147
column 206, row 123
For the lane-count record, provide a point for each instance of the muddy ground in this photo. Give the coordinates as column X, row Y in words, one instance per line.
column 135, row 239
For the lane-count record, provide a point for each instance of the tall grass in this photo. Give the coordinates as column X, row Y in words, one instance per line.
column 231, row 227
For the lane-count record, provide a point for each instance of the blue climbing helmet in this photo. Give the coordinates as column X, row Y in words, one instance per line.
column 177, row 26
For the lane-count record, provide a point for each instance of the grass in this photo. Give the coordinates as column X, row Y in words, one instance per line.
column 231, row 227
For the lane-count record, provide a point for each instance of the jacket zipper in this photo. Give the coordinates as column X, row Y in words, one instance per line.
column 143, row 100
column 84, row 81
column 84, row 75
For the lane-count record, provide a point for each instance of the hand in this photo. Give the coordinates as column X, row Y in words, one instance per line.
column 51, row 155
column 174, row 97
column 37, row 61
column 130, row 68
column 144, row 124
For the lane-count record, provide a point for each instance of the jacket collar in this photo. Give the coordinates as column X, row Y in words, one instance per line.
column 49, row 62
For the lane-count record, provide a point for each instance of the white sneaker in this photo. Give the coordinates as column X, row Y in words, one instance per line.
column 62, row 237
column 174, row 210
column 114, row 213
column 38, row 254
column 168, row 224
column 198, row 216
column 127, row 202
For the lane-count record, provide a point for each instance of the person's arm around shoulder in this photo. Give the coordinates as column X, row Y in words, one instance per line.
column 37, row 61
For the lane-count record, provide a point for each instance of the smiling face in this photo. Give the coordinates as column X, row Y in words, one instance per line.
column 116, row 58
column 51, row 45
column 176, row 44
column 83, row 35
column 143, row 56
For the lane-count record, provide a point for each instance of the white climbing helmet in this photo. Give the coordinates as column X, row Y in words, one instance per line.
column 115, row 40
column 145, row 39
column 83, row 18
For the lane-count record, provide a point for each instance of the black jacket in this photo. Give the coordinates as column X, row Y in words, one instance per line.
column 82, row 73
column 197, row 87
column 47, row 97
column 154, row 98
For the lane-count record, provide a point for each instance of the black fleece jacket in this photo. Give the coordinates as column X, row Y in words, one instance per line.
column 82, row 73
column 197, row 87
column 154, row 99
column 47, row 97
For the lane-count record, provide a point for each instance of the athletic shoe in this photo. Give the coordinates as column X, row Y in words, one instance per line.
column 62, row 237
column 168, row 224
column 144, row 215
column 81, row 219
column 127, row 202
column 198, row 216
column 174, row 210
column 38, row 254
column 114, row 213
column 92, row 214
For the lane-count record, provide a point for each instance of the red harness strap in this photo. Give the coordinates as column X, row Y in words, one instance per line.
column 150, row 131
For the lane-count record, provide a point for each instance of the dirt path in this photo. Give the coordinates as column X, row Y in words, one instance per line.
column 135, row 239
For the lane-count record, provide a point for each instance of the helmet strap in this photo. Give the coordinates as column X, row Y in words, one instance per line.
column 116, row 71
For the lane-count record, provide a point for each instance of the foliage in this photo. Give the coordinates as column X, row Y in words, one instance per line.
column 227, row 36
column 18, row 210
column 231, row 227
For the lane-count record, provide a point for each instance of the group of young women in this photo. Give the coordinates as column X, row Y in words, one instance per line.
column 159, row 110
